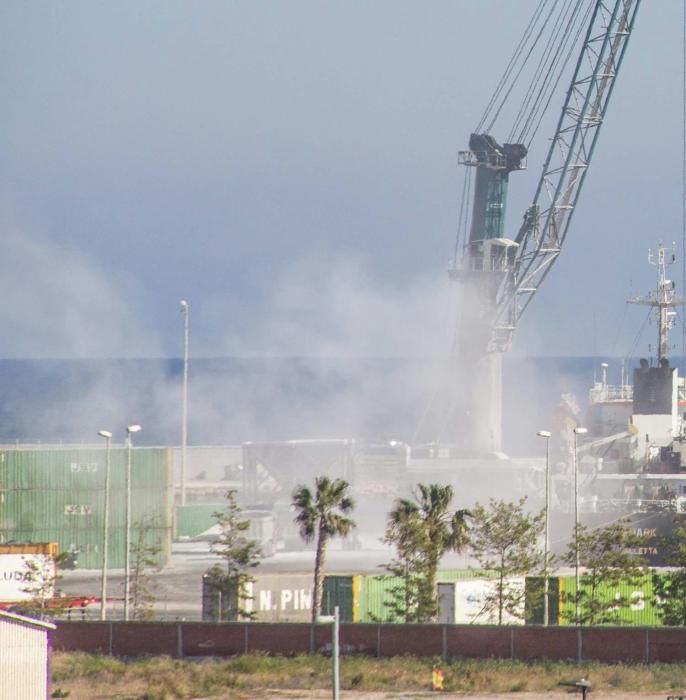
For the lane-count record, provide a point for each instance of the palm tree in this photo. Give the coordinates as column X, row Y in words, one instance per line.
column 322, row 515
column 426, row 527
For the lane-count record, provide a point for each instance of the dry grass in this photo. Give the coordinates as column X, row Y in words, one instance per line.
column 160, row 678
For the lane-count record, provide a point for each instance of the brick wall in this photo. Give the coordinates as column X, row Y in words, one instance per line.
column 199, row 639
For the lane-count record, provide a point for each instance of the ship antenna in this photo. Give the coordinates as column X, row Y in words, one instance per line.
column 663, row 299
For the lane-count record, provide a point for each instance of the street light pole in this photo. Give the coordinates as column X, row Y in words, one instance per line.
column 106, row 523
column 577, row 431
column 127, row 543
column 335, row 622
column 185, row 310
column 546, row 546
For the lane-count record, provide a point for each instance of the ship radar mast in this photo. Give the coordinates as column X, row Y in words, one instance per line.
column 663, row 299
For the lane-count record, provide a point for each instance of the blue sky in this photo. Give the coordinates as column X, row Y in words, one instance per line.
column 290, row 168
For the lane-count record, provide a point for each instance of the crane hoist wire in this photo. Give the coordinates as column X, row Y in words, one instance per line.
column 639, row 334
column 502, row 83
column 549, row 41
column 549, row 73
column 619, row 331
column 463, row 218
column 539, row 80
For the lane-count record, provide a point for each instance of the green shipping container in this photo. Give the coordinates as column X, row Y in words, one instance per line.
column 640, row 611
column 192, row 520
column 374, row 593
column 340, row 591
column 364, row 598
column 534, row 602
column 56, row 494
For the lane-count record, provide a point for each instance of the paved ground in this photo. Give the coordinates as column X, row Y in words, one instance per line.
column 179, row 584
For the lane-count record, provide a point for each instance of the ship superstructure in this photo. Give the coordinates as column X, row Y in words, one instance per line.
column 634, row 462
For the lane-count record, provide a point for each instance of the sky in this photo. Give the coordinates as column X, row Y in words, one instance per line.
column 290, row 168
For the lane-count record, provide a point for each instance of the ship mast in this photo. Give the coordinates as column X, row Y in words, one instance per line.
column 663, row 299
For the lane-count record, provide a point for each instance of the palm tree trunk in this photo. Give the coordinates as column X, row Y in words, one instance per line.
column 430, row 601
column 318, row 587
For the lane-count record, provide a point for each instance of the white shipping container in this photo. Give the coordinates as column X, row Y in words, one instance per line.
column 463, row 602
column 281, row 597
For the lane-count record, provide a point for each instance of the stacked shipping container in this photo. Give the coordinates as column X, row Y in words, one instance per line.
column 56, row 494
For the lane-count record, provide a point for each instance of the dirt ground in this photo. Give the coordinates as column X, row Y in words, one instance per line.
column 81, row 691
column 353, row 695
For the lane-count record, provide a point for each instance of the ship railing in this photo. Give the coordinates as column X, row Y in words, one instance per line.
column 632, row 505
column 611, row 392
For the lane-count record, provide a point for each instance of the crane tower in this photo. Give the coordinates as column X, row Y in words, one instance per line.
column 499, row 274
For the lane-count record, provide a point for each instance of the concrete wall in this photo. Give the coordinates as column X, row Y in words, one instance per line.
column 186, row 639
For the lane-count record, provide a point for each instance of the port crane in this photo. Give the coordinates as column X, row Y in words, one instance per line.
column 500, row 274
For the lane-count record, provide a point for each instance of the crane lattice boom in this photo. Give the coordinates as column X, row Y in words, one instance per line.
column 547, row 220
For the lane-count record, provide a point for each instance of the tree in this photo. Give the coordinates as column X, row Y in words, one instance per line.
column 504, row 539
column 320, row 516
column 241, row 555
column 144, row 558
column 405, row 532
column 422, row 531
column 41, row 574
column 670, row 587
column 607, row 556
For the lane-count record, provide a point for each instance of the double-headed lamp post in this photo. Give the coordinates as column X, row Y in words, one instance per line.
column 127, row 555
column 577, row 432
column 106, row 523
column 546, row 540
column 185, row 310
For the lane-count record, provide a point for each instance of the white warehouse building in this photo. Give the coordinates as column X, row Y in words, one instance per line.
column 24, row 654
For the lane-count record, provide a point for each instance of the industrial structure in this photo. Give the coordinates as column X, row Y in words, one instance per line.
column 634, row 465
column 499, row 273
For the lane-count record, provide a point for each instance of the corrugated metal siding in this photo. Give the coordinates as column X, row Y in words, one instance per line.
column 339, row 591
column 370, row 595
column 194, row 519
column 58, row 495
column 640, row 612
column 23, row 661
column 535, row 600
column 374, row 592
column 281, row 597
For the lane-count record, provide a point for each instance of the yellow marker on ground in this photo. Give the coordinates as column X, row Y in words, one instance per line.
column 436, row 679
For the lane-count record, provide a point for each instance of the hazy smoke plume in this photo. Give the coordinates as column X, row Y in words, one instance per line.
column 333, row 352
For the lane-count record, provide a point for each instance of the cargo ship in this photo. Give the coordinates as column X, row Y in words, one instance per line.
column 632, row 461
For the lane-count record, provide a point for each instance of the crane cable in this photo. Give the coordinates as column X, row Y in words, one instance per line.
column 463, row 218
column 577, row 38
column 545, row 70
column 519, row 71
column 639, row 333
column 562, row 22
column 511, row 65
column 557, row 69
